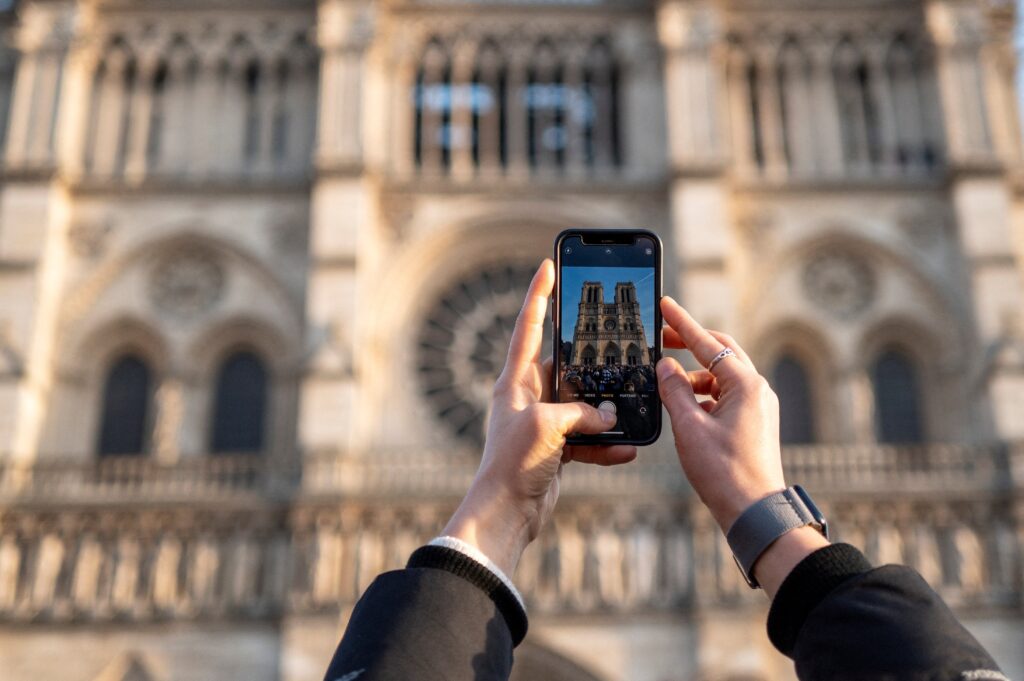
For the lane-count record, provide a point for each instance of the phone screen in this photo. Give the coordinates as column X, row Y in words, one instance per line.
column 609, row 335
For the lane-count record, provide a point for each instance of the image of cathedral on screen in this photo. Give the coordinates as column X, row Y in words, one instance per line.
column 609, row 333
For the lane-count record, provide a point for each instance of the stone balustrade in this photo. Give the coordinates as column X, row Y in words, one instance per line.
column 245, row 537
column 838, row 470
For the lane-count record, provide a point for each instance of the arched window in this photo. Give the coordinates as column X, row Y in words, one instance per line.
column 546, row 108
column 907, row 72
column 124, row 422
column 240, row 404
column 858, row 112
column 790, row 381
column 433, row 103
column 599, row 110
column 254, row 85
column 897, row 398
column 490, row 110
column 157, row 114
column 755, row 124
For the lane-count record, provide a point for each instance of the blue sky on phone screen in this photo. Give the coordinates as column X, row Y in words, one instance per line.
column 572, row 284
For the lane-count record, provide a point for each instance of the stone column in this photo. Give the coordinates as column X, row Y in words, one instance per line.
column 342, row 218
column 42, row 38
column 144, row 103
column 776, row 163
column 828, row 140
column 881, row 92
column 33, row 228
column 984, row 211
column 460, row 126
column 518, row 162
column 702, row 235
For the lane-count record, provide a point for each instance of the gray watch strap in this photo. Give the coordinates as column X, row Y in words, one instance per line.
column 764, row 522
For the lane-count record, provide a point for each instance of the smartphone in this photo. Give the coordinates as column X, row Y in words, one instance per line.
column 607, row 329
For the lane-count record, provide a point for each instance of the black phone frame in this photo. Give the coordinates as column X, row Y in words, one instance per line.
column 605, row 236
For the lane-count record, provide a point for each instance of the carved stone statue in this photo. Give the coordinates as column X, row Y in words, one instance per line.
column 126, row 574
column 202, row 573
column 327, row 572
column 970, row 559
column 608, row 546
column 644, row 554
column 10, row 564
column 85, row 583
column 165, row 573
column 49, row 558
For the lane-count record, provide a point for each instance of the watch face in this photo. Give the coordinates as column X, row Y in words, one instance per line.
column 609, row 324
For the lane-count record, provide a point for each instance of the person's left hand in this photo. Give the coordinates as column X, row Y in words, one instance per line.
column 516, row 486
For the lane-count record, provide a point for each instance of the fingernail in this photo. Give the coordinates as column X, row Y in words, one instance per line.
column 608, row 417
column 670, row 299
column 664, row 369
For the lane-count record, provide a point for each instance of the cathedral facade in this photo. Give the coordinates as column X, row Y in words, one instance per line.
column 259, row 262
column 609, row 333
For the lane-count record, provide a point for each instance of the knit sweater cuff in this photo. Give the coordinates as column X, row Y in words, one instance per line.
column 806, row 586
column 474, row 572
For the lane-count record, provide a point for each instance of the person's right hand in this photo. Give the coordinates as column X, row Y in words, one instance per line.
column 729, row 444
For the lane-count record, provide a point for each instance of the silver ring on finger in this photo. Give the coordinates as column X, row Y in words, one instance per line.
column 727, row 352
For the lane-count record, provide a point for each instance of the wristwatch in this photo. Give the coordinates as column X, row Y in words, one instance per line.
column 761, row 524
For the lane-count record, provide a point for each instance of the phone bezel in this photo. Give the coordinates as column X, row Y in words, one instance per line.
column 611, row 235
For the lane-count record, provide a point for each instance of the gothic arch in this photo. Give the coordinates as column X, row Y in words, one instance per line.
column 88, row 292
column 946, row 309
column 940, row 389
column 804, row 341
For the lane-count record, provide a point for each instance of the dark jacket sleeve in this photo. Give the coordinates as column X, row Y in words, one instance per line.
column 840, row 619
column 450, row 621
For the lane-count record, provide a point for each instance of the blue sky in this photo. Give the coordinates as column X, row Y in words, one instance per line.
column 572, row 283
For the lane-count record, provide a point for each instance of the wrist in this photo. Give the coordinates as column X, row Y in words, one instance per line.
column 732, row 507
column 489, row 520
column 784, row 554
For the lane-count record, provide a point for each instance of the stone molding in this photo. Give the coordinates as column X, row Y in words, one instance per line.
column 216, row 557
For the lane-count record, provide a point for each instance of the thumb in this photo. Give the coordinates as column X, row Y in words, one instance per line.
column 676, row 391
column 577, row 417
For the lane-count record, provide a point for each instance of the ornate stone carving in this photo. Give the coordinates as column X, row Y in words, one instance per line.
column 841, row 284
column 463, row 343
column 187, row 283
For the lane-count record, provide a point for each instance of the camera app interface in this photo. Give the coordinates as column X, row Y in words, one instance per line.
column 609, row 341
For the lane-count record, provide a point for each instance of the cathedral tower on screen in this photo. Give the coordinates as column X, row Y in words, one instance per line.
column 609, row 333
column 260, row 261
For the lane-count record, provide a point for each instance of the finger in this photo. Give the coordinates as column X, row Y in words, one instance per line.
column 702, row 344
column 730, row 342
column 602, row 456
column 529, row 330
column 708, row 405
column 671, row 339
column 676, row 391
column 577, row 417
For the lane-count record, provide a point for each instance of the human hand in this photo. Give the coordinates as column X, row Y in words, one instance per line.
column 729, row 444
column 517, row 484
